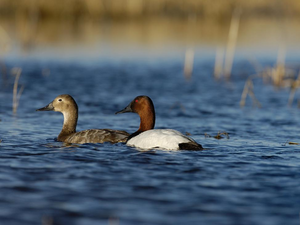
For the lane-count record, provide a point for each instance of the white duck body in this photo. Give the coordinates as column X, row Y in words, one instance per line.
column 159, row 138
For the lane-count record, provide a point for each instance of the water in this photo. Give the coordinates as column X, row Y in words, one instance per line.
column 250, row 178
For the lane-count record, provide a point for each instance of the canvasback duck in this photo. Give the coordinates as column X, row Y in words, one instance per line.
column 147, row 138
column 68, row 107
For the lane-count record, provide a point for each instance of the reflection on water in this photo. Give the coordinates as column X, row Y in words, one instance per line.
column 152, row 36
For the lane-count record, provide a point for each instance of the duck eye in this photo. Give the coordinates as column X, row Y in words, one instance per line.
column 136, row 100
column 60, row 100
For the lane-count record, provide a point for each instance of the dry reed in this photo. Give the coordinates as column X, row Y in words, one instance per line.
column 220, row 135
column 295, row 85
column 280, row 76
column 5, row 43
column 120, row 9
column 232, row 39
column 17, row 94
column 225, row 69
column 219, row 63
column 248, row 90
column 4, row 73
column 293, row 143
column 188, row 64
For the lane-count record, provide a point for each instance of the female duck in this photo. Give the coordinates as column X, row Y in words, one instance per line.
column 68, row 107
column 146, row 137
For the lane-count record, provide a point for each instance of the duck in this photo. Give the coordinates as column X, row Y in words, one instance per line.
column 68, row 107
column 146, row 137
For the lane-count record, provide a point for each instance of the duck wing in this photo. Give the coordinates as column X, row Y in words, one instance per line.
column 97, row 136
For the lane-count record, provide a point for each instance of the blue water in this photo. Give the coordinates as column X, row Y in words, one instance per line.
column 252, row 177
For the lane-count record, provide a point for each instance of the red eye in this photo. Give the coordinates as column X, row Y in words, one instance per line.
column 136, row 100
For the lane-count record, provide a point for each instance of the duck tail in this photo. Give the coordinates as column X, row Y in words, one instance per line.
column 190, row 146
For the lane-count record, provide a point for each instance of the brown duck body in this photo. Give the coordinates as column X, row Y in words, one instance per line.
column 94, row 136
column 68, row 107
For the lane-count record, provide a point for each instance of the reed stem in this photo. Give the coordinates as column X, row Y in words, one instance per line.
column 232, row 39
column 16, row 94
column 188, row 63
column 219, row 63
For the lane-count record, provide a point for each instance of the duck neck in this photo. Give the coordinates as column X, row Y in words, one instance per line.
column 147, row 121
column 70, row 122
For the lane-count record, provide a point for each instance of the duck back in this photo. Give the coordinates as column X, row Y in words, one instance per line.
column 96, row 136
column 164, row 139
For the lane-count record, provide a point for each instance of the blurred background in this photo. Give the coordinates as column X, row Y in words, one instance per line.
column 217, row 38
column 156, row 28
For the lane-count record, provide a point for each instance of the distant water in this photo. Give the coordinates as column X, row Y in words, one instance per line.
column 250, row 178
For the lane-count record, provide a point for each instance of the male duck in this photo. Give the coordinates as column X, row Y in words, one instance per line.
column 147, row 138
column 68, row 107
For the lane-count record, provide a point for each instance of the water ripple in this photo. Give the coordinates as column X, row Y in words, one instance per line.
column 250, row 177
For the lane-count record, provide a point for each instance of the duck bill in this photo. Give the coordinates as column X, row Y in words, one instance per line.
column 48, row 107
column 125, row 110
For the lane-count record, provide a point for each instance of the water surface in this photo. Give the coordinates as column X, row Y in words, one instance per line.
column 250, row 178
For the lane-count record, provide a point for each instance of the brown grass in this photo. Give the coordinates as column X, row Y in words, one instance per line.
column 280, row 76
column 120, row 9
